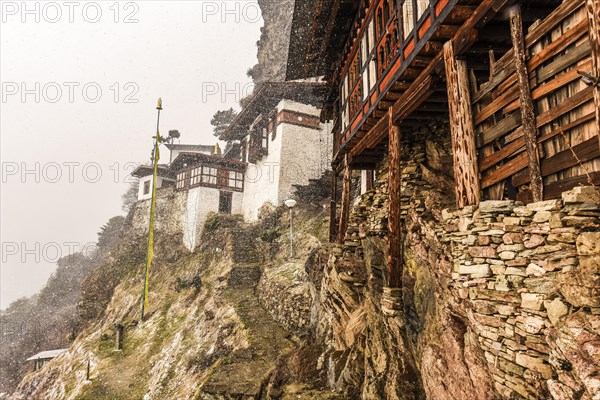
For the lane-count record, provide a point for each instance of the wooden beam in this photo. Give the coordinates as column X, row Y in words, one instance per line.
column 333, row 207
column 345, row 210
column 394, row 275
column 593, row 13
column 369, row 182
column 527, row 114
column 466, row 171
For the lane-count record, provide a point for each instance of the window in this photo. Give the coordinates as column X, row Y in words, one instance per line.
column 209, row 175
column 407, row 18
column 236, row 180
column 195, row 176
column 386, row 10
column 371, row 36
column 225, row 201
column 146, row 187
column 243, row 150
column 421, row 7
column 181, row 180
column 391, row 8
column 265, row 138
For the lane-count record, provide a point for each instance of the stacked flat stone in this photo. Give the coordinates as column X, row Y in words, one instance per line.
column 521, row 270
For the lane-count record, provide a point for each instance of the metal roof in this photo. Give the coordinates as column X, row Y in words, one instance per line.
column 49, row 354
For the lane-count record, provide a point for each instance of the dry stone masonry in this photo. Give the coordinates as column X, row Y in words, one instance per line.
column 529, row 277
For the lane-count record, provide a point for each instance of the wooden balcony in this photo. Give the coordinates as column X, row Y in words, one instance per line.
column 392, row 41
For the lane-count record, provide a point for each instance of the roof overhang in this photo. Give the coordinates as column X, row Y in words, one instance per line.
column 145, row 170
column 267, row 96
column 185, row 160
column 47, row 355
column 319, row 31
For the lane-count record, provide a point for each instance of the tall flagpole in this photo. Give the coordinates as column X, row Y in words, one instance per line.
column 150, row 254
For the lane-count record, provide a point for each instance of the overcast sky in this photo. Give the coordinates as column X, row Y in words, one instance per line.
column 79, row 90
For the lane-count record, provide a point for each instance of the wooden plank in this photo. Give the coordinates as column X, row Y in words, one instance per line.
column 527, row 114
column 345, row 210
column 466, row 174
column 510, row 149
column 563, row 62
column 571, row 103
column 509, row 168
column 490, row 109
column 505, row 64
column 585, row 151
column 557, row 46
column 593, row 14
column 554, row 190
column 394, row 275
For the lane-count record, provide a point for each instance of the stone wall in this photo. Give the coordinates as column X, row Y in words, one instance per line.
column 521, row 272
column 499, row 301
column 284, row 292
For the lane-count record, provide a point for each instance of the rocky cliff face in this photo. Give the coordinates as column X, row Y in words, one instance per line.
column 274, row 41
column 205, row 335
column 499, row 301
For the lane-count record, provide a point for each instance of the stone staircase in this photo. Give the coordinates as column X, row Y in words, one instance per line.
column 245, row 374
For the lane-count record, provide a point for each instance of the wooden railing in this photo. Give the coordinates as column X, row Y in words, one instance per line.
column 557, row 50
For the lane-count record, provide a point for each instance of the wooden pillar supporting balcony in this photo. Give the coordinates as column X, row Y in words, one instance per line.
column 345, row 210
column 593, row 13
column 466, row 170
column 391, row 301
column 527, row 113
column 333, row 207
column 369, row 182
column 394, row 276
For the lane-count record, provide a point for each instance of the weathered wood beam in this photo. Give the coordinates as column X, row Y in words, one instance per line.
column 527, row 114
column 394, row 275
column 466, row 171
column 593, row 13
column 345, row 210
column 333, row 207
column 369, row 181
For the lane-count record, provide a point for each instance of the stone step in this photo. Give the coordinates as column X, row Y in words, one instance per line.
column 244, row 276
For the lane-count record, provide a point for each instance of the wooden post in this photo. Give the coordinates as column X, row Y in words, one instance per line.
column 119, row 336
column 394, row 276
column 333, row 207
column 369, row 179
column 593, row 13
column 527, row 114
column 466, row 170
column 345, row 210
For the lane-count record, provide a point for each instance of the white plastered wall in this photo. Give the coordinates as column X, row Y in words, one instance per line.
column 201, row 201
column 142, row 181
column 304, row 153
column 296, row 155
column 262, row 179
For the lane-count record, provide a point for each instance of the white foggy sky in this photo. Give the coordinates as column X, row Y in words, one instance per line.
column 169, row 53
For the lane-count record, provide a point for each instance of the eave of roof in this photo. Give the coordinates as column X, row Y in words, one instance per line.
column 184, row 160
column 319, row 31
column 198, row 147
column 145, row 170
column 267, row 96
column 47, row 354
